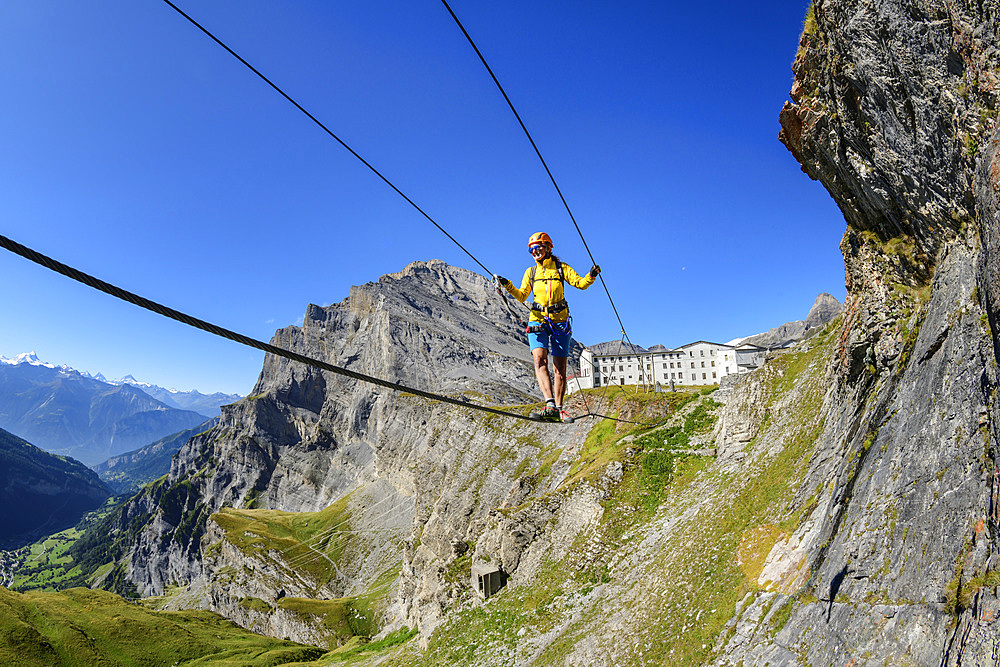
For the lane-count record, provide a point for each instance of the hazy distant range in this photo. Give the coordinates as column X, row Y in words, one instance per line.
column 89, row 418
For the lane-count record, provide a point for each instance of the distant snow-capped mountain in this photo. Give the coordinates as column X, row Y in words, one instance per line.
column 83, row 415
column 29, row 358
column 204, row 404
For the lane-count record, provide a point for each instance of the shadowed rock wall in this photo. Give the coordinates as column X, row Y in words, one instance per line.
column 894, row 110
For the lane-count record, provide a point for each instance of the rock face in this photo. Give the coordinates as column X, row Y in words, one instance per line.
column 306, row 438
column 893, row 110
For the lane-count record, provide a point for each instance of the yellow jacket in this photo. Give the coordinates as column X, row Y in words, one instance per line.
column 548, row 289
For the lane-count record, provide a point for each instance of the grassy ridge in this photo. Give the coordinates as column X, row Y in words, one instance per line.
column 652, row 475
column 309, row 540
column 313, row 543
column 85, row 627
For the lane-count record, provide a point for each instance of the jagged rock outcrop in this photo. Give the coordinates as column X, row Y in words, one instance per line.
column 824, row 309
column 893, row 110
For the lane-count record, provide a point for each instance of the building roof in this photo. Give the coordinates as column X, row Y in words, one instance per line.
column 616, row 347
column 706, row 342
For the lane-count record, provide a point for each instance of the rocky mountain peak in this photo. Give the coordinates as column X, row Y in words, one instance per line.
column 306, row 438
column 824, row 308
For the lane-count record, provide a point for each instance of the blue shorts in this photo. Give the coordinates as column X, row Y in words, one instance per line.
column 556, row 343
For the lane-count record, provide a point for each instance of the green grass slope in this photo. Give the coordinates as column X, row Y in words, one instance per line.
column 315, row 545
column 86, row 627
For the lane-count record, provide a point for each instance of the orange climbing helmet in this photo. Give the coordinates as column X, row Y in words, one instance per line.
column 540, row 237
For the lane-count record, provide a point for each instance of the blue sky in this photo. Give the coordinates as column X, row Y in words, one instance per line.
column 139, row 151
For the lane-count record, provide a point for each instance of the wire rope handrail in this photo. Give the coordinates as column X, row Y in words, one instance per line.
column 540, row 158
column 340, row 141
column 179, row 316
column 159, row 309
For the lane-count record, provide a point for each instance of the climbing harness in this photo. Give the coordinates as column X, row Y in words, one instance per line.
column 556, row 307
column 561, row 328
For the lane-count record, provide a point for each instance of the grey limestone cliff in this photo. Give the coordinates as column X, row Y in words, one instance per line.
column 305, row 438
column 893, row 110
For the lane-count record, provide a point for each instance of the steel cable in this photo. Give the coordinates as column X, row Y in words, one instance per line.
column 540, row 158
column 183, row 318
column 342, row 143
column 165, row 311
column 159, row 309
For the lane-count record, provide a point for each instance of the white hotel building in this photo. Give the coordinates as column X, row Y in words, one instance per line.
column 700, row 363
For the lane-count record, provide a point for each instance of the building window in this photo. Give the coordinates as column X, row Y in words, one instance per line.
column 713, row 363
column 702, row 352
column 703, row 364
column 621, row 368
column 665, row 365
column 703, row 376
column 713, row 375
column 694, row 376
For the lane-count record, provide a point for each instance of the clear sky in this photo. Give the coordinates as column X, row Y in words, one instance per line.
column 136, row 149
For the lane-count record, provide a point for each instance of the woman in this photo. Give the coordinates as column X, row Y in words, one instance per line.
column 549, row 326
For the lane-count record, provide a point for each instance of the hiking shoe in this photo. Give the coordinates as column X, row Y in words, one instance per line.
column 565, row 418
column 549, row 414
